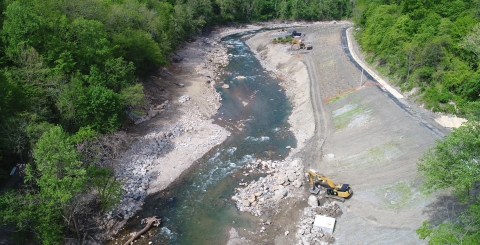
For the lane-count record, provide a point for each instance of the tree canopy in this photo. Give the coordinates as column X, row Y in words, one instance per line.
column 453, row 164
column 428, row 45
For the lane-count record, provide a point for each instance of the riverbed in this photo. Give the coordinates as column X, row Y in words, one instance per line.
column 196, row 209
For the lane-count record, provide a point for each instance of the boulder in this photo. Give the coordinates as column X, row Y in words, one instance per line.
column 297, row 183
column 312, row 201
column 281, row 178
column 291, row 175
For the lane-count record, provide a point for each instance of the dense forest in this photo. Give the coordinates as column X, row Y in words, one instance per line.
column 71, row 75
column 428, row 47
column 77, row 64
column 432, row 48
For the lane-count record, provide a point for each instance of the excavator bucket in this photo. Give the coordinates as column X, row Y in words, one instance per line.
column 315, row 190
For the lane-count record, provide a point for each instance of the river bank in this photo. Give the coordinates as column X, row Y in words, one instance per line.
column 283, row 189
column 177, row 129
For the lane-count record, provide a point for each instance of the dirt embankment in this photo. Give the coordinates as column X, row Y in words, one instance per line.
column 361, row 135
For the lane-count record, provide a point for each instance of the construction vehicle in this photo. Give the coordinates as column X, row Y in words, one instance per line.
column 335, row 191
column 302, row 45
column 296, row 34
column 309, row 46
column 297, row 42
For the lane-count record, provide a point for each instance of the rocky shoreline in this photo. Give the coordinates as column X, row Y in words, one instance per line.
column 143, row 169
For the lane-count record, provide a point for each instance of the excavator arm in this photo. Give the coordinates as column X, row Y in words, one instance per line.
column 312, row 176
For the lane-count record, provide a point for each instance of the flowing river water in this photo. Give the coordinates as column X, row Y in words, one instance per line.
column 197, row 209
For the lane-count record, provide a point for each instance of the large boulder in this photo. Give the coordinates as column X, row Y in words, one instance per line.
column 312, row 201
column 281, row 178
column 291, row 175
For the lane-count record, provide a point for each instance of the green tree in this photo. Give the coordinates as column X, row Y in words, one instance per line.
column 57, row 172
column 114, row 74
column 101, row 109
column 133, row 96
column 464, row 230
column 55, row 178
column 471, row 42
column 108, row 189
column 454, row 162
column 21, row 26
column 138, row 47
column 89, row 44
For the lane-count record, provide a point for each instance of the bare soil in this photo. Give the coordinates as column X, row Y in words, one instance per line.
column 353, row 134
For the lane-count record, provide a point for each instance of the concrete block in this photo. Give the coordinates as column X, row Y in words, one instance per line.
column 324, row 223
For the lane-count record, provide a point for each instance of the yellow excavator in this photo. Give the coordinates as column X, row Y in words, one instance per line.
column 336, row 191
column 297, row 43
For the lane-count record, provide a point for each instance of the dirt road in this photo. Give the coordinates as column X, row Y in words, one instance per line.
column 362, row 135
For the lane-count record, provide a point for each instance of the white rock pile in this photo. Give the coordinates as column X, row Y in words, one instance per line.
column 132, row 170
column 284, row 179
column 183, row 98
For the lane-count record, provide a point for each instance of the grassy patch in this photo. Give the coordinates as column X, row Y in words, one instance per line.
column 345, row 115
column 400, row 195
column 372, row 157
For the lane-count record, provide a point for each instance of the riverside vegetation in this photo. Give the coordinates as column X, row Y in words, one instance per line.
column 72, row 71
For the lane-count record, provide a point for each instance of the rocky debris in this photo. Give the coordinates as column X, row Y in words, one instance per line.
column 236, row 239
column 283, row 180
column 133, row 169
column 151, row 113
column 133, row 172
column 210, row 55
column 306, row 234
column 183, row 98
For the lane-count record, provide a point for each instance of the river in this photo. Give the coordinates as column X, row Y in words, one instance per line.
column 197, row 209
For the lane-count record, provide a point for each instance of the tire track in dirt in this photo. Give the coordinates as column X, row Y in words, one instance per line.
column 313, row 149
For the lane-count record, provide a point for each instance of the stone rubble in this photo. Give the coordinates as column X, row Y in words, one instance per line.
column 283, row 180
column 183, row 98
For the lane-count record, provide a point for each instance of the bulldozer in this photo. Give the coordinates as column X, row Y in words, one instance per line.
column 335, row 191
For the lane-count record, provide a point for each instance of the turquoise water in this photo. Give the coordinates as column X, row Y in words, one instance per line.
column 197, row 208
